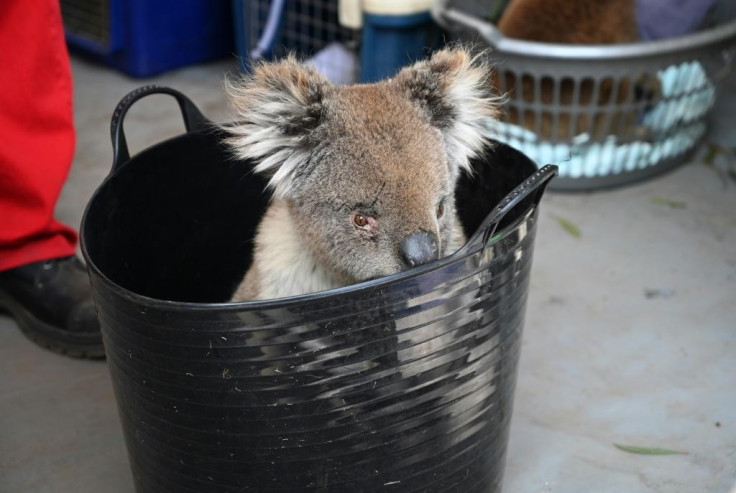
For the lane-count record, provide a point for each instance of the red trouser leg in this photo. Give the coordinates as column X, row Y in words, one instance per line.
column 36, row 132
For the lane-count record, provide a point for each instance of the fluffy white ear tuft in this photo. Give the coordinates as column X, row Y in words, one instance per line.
column 455, row 89
column 279, row 107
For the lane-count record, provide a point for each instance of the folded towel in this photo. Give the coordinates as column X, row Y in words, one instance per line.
column 676, row 121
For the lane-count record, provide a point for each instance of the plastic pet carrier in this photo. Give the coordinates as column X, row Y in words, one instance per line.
column 143, row 38
column 404, row 383
column 607, row 114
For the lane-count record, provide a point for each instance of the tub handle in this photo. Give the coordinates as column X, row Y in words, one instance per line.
column 535, row 184
column 193, row 118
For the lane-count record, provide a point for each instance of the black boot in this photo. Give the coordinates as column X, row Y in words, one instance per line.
column 52, row 303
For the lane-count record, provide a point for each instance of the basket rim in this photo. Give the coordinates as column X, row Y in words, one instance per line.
column 503, row 45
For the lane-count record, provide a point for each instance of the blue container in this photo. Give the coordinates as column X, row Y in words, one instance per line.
column 144, row 38
column 394, row 41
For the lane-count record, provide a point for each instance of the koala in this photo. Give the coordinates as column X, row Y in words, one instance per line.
column 362, row 176
column 590, row 22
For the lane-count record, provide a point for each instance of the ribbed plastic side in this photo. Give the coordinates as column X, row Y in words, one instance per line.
column 619, row 125
column 402, row 387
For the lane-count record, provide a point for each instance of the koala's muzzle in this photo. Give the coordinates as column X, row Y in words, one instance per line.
column 419, row 248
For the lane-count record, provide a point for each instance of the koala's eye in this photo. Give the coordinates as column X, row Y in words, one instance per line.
column 360, row 220
column 441, row 209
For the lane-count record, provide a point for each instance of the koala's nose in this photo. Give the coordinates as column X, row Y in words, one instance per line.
column 419, row 248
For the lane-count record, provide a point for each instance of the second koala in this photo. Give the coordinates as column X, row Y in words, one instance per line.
column 363, row 176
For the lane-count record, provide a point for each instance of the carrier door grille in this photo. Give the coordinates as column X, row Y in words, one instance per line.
column 88, row 19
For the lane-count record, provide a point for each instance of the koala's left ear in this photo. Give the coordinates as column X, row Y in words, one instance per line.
column 280, row 107
column 455, row 90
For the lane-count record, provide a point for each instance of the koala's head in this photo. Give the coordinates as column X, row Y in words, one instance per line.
column 368, row 171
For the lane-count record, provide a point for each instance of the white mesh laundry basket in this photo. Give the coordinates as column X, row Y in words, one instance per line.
column 608, row 115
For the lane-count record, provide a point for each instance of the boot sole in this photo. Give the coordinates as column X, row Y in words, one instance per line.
column 75, row 345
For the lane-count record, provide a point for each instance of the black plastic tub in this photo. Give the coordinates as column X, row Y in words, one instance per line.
column 399, row 384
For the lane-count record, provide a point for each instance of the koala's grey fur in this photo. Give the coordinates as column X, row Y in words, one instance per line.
column 391, row 151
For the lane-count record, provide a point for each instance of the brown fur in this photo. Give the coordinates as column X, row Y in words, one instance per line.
column 589, row 22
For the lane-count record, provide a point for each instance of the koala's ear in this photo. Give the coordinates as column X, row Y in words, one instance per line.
column 279, row 108
column 455, row 90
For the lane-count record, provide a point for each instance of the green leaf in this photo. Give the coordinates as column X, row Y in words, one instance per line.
column 713, row 151
column 569, row 227
column 672, row 204
column 648, row 450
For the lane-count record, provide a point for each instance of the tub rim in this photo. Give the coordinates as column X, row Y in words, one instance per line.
column 468, row 250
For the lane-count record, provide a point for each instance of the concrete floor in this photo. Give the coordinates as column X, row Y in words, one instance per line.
column 630, row 334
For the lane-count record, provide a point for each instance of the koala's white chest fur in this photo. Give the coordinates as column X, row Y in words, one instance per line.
column 282, row 264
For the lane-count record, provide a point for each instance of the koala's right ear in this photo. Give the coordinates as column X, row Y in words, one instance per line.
column 279, row 107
